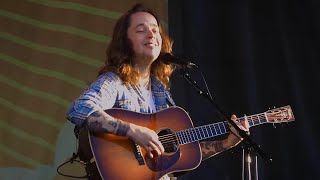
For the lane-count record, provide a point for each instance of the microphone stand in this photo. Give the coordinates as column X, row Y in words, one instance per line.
column 249, row 172
column 249, row 164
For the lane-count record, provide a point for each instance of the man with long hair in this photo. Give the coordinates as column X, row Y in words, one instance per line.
column 135, row 78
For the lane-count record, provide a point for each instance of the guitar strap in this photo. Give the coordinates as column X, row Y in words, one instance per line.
column 85, row 154
column 89, row 163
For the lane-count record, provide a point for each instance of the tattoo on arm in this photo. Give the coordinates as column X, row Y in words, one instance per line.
column 123, row 128
column 113, row 123
column 96, row 126
column 210, row 148
column 116, row 126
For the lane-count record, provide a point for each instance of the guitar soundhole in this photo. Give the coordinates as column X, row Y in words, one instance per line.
column 171, row 155
column 168, row 140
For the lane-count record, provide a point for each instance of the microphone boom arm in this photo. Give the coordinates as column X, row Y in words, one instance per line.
column 242, row 133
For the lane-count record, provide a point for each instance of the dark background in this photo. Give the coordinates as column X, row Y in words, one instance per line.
column 255, row 55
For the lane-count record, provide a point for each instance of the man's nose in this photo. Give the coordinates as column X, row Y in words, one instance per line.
column 150, row 34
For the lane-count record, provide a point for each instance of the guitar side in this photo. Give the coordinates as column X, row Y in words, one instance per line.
column 115, row 155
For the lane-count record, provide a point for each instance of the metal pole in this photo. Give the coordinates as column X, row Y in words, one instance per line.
column 249, row 165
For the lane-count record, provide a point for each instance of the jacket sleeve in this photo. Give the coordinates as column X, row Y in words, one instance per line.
column 100, row 95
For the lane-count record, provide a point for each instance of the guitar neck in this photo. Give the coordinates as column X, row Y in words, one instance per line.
column 211, row 130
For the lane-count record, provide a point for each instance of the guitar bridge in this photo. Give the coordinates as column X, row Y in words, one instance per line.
column 137, row 153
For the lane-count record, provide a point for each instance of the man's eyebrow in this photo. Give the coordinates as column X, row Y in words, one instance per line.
column 151, row 24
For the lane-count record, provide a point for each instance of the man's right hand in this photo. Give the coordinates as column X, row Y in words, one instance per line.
column 146, row 138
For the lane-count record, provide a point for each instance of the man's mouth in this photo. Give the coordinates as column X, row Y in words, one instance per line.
column 150, row 44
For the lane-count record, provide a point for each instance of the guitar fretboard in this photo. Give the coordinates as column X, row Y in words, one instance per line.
column 211, row 130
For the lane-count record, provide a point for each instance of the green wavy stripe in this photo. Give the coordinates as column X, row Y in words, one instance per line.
column 52, row 50
column 34, row 92
column 43, row 71
column 37, row 116
column 78, row 7
column 56, row 27
column 86, row 9
column 26, row 136
column 19, row 157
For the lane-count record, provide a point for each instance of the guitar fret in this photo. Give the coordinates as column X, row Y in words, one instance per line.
column 206, row 131
column 257, row 121
column 196, row 133
column 211, row 131
column 214, row 129
column 252, row 120
column 201, row 133
column 226, row 127
column 224, row 130
column 264, row 117
column 183, row 137
column 192, row 135
column 187, row 135
column 217, row 129
column 221, row 128
column 178, row 137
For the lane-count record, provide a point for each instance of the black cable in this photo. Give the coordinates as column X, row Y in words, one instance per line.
column 71, row 160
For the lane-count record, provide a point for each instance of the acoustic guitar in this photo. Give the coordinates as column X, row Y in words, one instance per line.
column 118, row 157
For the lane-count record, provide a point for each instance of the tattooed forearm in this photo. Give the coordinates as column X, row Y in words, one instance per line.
column 103, row 123
column 123, row 128
column 113, row 123
column 95, row 126
column 210, row 148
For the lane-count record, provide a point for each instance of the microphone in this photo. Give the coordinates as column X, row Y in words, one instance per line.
column 168, row 58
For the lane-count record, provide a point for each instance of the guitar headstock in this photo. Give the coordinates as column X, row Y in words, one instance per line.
column 280, row 115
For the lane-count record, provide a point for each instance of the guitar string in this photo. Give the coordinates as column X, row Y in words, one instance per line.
column 192, row 134
column 252, row 118
column 168, row 139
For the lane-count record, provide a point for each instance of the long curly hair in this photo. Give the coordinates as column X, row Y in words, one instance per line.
column 120, row 52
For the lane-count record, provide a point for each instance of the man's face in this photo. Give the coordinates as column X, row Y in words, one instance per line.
column 145, row 37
